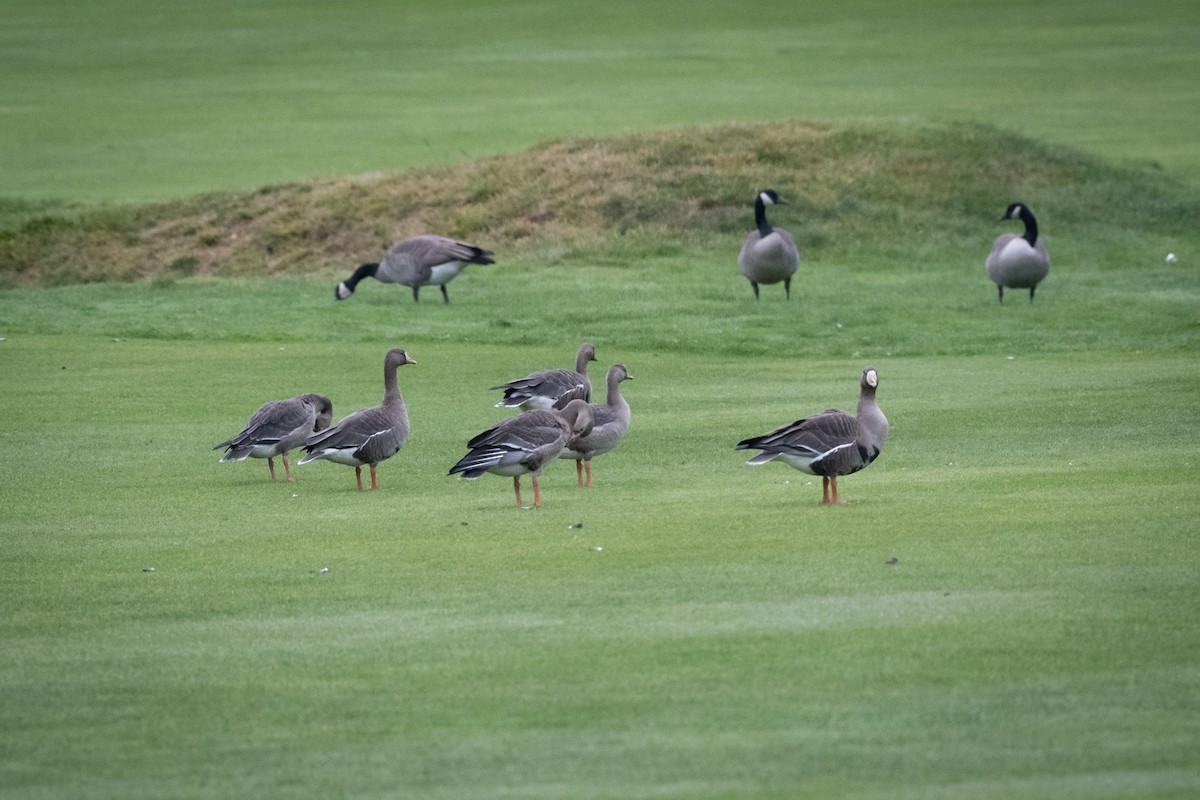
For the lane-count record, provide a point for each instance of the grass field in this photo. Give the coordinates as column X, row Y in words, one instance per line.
column 691, row 626
column 1005, row 608
column 129, row 101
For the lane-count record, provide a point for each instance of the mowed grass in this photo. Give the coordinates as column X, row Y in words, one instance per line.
column 1003, row 609
column 130, row 101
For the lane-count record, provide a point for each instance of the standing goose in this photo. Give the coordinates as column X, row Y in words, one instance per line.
column 551, row 388
column 278, row 426
column 768, row 254
column 609, row 426
column 370, row 435
column 416, row 262
column 828, row 444
column 523, row 444
column 1018, row 262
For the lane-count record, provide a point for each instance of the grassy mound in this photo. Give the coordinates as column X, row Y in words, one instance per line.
column 860, row 192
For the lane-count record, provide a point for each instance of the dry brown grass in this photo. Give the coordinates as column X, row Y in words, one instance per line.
column 680, row 188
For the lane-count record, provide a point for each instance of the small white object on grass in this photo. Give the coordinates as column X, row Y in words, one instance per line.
column 1171, row 258
column 322, row 569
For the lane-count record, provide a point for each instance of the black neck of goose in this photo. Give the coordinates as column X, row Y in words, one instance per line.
column 760, row 218
column 365, row 271
column 1031, row 228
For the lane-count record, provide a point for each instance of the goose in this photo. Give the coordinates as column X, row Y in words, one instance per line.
column 610, row 424
column 768, row 254
column 551, row 388
column 277, row 427
column 416, row 262
column 1018, row 262
column 369, row 435
column 524, row 444
column 828, row 444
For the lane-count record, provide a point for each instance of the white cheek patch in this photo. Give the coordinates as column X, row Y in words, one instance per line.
column 766, row 198
column 872, row 379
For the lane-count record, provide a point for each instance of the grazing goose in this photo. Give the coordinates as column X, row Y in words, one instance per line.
column 610, row 423
column 416, row 262
column 769, row 254
column 828, row 444
column 524, row 444
column 278, row 426
column 1018, row 262
column 551, row 388
column 370, row 435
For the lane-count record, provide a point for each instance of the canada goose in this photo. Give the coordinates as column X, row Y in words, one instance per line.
column 1018, row 262
column 524, row 444
column 828, row 444
column 610, row 423
column 278, row 426
column 370, row 435
column 551, row 388
column 416, row 262
column 768, row 254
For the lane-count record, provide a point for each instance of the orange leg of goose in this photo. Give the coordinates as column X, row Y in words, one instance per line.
column 588, row 464
column 287, row 467
column 836, row 501
column 271, row 466
column 358, row 477
column 579, row 472
column 517, row 489
column 374, row 486
column 825, row 489
column 537, row 495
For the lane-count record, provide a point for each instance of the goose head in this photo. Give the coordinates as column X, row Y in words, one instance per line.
column 578, row 415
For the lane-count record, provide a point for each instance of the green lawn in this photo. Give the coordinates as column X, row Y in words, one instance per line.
column 1004, row 609
column 730, row 637
column 130, row 100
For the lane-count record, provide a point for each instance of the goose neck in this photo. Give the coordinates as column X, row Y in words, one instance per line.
column 760, row 218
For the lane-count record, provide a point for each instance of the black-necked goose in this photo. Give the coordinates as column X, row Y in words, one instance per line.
column 610, row 423
column 419, row 261
column 1018, row 262
column 523, row 444
column 277, row 427
column 370, row 435
column 768, row 254
column 551, row 388
column 828, row 444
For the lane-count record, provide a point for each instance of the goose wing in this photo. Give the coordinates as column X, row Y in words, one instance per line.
column 272, row 423
column 551, row 388
column 810, row 441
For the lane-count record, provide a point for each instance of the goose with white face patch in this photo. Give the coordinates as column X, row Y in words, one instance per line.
column 370, row 435
column 523, row 444
column 828, row 444
column 551, row 388
column 277, row 427
column 416, row 262
column 1018, row 262
column 610, row 424
column 768, row 254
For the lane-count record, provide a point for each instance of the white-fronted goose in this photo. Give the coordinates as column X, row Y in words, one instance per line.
column 551, row 388
column 768, row 254
column 416, row 262
column 828, row 444
column 370, row 435
column 523, row 444
column 278, row 426
column 1018, row 262
column 610, row 423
